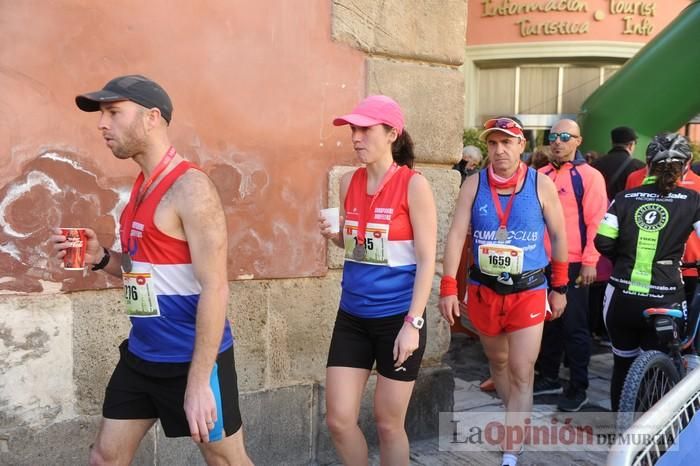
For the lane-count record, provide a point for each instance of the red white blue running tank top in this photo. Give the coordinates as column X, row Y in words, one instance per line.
column 169, row 335
column 380, row 284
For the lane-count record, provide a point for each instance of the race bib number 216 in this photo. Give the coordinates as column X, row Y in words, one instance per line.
column 139, row 296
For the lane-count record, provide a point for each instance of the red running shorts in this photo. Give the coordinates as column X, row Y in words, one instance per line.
column 492, row 313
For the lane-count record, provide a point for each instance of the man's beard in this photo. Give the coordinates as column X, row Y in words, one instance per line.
column 131, row 144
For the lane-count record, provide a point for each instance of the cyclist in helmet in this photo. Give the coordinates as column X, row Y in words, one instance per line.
column 689, row 180
column 644, row 234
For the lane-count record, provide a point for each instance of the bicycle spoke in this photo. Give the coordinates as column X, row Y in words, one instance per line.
column 649, row 391
column 647, row 388
column 654, row 386
column 650, row 378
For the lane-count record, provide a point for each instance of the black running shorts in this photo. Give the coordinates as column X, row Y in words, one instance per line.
column 142, row 389
column 359, row 342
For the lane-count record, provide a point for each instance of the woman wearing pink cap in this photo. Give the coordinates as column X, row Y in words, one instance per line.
column 389, row 237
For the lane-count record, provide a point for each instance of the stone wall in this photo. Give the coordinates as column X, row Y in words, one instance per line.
column 58, row 351
column 57, row 348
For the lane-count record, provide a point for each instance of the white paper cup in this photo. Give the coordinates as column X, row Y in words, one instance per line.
column 332, row 216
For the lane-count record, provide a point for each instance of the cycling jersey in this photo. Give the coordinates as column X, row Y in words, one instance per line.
column 645, row 234
column 691, row 181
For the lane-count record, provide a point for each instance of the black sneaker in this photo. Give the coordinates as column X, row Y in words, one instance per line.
column 572, row 401
column 546, row 386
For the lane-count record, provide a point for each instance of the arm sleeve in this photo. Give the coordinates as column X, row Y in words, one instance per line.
column 608, row 232
column 595, row 202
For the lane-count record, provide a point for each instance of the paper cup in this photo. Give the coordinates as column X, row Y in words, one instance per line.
column 332, row 216
column 75, row 254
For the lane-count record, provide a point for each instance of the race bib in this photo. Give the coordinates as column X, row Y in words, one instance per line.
column 495, row 259
column 375, row 248
column 139, row 296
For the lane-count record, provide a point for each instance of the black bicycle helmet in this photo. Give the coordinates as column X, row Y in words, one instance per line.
column 667, row 148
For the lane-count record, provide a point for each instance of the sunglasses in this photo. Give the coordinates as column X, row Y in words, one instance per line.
column 501, row 123
column 564, row 137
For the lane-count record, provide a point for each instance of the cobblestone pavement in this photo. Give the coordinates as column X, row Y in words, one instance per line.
column 469, row 365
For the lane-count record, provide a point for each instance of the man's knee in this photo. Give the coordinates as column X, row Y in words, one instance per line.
column 118, row 440
column 521, row 373
column 498, row 359
column 229, row 451
column 498, row 364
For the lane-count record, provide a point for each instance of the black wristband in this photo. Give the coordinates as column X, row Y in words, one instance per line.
column 103, row 263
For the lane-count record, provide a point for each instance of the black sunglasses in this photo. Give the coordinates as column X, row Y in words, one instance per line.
column 565, row 137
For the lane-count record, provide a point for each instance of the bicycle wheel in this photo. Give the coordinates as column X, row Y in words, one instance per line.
column 651, row 376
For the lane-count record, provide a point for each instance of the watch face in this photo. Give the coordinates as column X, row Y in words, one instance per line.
column 416, row 322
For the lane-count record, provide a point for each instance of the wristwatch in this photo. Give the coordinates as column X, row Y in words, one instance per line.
column 103, row 262
column 417, row 322
column 561, row 289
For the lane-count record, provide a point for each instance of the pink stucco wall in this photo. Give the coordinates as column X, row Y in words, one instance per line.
column 254, row 85
column 511, row 21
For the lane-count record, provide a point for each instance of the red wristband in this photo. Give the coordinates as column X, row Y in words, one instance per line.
column 448, row 286
column 560, row 273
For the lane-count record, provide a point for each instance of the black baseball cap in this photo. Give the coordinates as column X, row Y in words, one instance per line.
column 623, row 135
column 132, row 87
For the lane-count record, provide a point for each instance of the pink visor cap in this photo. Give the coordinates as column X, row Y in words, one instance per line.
column 374, row 110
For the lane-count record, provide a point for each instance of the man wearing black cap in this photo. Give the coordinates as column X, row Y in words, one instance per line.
column 177, row 364
column 618, row 163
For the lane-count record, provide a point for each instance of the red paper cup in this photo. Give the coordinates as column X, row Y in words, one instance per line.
column 75, row 254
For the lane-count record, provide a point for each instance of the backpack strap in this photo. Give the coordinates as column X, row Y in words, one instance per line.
column 577, row 184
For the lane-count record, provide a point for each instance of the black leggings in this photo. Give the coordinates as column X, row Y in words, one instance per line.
column 629, row 331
